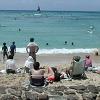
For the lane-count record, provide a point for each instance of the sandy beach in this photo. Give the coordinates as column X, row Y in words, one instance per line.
column 53, row 59
column 59, row 60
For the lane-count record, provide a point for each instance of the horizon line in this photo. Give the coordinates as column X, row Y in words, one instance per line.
column 50, row 10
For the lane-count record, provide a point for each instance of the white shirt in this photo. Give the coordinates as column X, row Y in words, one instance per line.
column 29, row 62
column 10, row 64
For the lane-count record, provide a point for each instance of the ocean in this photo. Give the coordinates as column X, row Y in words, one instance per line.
column 81, row 30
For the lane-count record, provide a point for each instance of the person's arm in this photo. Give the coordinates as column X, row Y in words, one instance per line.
column 2, row 48
column 27, row 48
column 72, row 65
column 30, row 72
column 37, row 48
column 7, row 49
column 15, row 49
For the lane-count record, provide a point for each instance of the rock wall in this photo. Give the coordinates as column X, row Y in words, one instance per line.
column 80, row 92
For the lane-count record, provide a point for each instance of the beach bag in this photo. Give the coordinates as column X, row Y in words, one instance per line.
column 56, row 74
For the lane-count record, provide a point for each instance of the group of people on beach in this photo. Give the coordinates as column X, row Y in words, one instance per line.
column 39, row 75
column 11, row 51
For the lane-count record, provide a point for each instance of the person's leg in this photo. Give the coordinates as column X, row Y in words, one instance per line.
column 6, row 54
column 3, row 56
column 34, row 57
column 27, row 69
column 7, row 71
column 12, row 53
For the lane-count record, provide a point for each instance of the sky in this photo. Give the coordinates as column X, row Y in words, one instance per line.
column 57, row 5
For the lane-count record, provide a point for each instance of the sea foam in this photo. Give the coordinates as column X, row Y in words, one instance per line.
column 60, row 51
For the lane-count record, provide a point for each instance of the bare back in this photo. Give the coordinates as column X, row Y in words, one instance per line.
column 32, row 47
column 37, row 73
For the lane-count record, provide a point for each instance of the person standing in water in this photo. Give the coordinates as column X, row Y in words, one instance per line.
column 5, row 51
column 32, row 48
column 13, row 49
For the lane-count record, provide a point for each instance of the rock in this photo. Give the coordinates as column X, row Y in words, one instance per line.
column 31, row 95
column 69, row 92
column 38, row 89
column 98, row 87
column 59, row 93
column 72, row 97
column 80, row 87
column 57, row 98
column 89, row 96
column 14, row 92
column 43, row 97
column 23, row 96
column 92, row 88
column 60, row 88
column 8, row 97
column 2, row 90
column 56, row 93
column 73, row 87
column 80, row 91
column 98, row 97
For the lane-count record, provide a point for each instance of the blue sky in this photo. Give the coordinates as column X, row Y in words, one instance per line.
column 67, row 5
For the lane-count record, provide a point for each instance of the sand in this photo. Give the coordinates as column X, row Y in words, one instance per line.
column 61, row 60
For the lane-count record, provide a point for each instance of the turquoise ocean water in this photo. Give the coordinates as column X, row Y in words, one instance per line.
column 52, row 27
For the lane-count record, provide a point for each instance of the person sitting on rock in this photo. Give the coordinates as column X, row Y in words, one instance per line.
column 77, row 68
column 37, row 75
column 10, row 65
column 87, row 62
column 29, row 64
column 53, row 75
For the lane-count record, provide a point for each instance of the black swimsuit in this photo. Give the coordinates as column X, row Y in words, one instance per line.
column 37, row 82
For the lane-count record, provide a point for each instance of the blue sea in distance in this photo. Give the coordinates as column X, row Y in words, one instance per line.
column 52, row 27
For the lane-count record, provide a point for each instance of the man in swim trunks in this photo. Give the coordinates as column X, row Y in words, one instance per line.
column 13, row 49
column 5, row 50
column 32, row 48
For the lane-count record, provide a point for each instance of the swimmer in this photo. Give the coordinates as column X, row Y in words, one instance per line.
column 47, row 44
column 72, row 43
column 19, row 29
column 65, row 42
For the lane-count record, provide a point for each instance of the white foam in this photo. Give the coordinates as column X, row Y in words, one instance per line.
column 66, row 51
column 60, row 51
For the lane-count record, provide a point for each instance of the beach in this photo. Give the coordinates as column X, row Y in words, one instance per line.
column 53, row 60
column 60, row 35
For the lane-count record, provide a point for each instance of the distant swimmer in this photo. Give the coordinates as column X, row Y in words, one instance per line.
column 15, row 18
column 47, row 43
column 91, row 29
column 65, row 43
column 72, row 43
column 19, row 29
column 5, row 51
